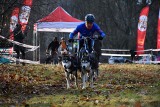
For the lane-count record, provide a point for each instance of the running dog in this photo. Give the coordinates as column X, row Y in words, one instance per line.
column 70, row 68
column 86, row 71
column 89, row 66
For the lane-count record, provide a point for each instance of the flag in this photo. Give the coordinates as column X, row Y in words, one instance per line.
column 142, row 27
column 13, row 23
column 24, row 13
column 158, row 32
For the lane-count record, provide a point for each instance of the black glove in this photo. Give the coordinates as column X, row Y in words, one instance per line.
column 100, row 37
column 70, row 40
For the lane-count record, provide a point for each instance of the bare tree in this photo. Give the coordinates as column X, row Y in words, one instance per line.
column 118, row 18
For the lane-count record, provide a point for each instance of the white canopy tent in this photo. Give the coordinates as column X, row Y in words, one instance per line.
column 57, row 21
column 57, row 26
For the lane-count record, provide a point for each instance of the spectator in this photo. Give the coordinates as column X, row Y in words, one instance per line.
column 53, row 46
column 133, row 53
column 19, row 37
column 63, row 46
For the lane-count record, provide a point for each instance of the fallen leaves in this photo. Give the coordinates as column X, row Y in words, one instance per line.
column 29, row 81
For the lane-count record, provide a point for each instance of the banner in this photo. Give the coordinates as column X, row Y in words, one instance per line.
column 13, row 23
column 24, row 13
column 158, row 32
column 142, row 27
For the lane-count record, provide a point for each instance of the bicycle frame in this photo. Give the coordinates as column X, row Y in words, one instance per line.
column 86, row 45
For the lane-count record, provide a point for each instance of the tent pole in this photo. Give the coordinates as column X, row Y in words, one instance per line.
column 35, row 44
column 39, row 51
column 34, row 33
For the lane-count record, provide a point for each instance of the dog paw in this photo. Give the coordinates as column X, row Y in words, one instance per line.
column 83, row 88
column 92, row 86
column 68, row 87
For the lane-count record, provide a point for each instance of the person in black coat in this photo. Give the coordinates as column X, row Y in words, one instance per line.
column 53, row 46
column 19, row 37
column 133, row 54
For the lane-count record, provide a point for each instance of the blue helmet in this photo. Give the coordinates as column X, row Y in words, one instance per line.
column 89, row 18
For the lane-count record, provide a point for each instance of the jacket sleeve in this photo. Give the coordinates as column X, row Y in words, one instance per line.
column 72, row 34
column 49, row 46
column 100, row 31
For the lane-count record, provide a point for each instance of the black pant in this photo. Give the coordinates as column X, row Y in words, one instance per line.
column 88, row 44
column 18, row 54
column 19, row 49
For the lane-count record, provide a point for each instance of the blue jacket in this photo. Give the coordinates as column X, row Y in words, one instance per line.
column 86, row 32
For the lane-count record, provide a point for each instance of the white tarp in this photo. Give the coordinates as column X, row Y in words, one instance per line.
column 57, row 26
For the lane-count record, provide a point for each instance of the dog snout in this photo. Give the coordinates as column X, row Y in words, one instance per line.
column 83, row 67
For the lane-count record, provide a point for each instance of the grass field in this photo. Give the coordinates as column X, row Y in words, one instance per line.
column 123, row 85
